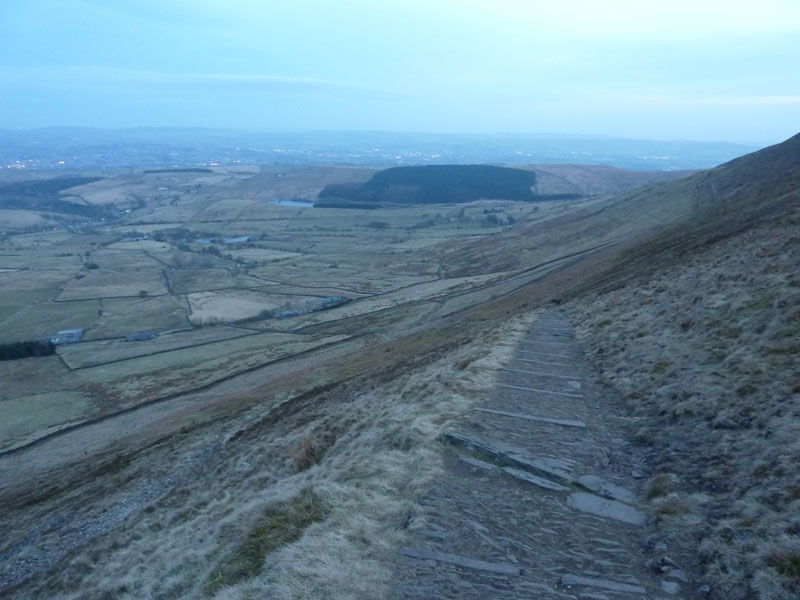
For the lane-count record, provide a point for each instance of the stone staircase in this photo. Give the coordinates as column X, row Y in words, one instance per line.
column 539, row 497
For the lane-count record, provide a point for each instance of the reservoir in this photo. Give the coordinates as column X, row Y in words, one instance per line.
column 300, row 203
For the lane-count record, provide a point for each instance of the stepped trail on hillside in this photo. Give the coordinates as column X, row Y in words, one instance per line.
column 540, row 496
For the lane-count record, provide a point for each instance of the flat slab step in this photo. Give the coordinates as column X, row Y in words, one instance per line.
column 527, row 476
column 540, row 374
column 609, row 509
column 535, row 479
column 551, row 420
column 543, row 466
column 543, row 352
column 541, row 362
column 554, row 331
column 539, row 391
column 605, row 584
column 547, row 342
column 552, row 468
column 605, row 488
column 461, row 561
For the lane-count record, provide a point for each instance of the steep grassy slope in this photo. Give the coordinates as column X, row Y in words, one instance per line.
column 699, row 328
column 703, row 206
column 591, row 180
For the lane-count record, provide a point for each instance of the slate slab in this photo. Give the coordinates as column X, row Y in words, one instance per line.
column 605, row 584
column 461, row 561
column 609, row 509
column 605, row 488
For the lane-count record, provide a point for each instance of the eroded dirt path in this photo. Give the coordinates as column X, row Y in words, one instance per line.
column 541, row 495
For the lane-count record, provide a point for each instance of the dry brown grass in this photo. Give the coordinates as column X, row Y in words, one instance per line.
column 705, row 352
column 312, row 506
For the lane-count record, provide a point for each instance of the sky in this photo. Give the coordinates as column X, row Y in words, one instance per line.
column 684, row 69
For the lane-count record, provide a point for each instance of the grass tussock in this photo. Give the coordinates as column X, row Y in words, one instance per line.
column 705, row 353
column 280, row 526
column 660, row 485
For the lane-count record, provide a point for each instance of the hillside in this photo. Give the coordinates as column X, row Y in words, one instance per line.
column 717, row 201
column 436, row 184
column 699, row 328
column 26, row 204
column 593, row 180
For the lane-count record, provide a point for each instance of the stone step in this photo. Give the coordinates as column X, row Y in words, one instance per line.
column 605, row 584
column 541, row 362
column 558, row 469
column 538, row 340
column 605, row 488
column 531, row 348
column 608, row 509
column 538, row 390
column 535, row 479
column 540, row 374
column 461, row 561
column 537, row 418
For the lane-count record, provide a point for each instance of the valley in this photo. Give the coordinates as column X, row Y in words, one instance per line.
column 246, row 358
column 203, row 277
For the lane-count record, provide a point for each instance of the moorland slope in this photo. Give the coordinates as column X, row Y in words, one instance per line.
column 699, row 328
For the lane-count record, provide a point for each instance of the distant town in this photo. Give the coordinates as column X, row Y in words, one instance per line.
column 78, row 148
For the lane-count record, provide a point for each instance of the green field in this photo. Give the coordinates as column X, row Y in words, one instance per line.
column 88, row 354
column 135, row 380
column 165, row 267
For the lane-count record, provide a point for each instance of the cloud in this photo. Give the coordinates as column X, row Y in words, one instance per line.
column 80, row 77
column 615, row 19
column 662, row 100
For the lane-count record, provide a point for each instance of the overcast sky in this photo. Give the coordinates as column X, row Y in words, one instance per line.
column 679, row 69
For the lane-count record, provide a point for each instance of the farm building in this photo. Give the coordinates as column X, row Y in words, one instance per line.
column 141, row 336
column 67, row 336
column 332, row 301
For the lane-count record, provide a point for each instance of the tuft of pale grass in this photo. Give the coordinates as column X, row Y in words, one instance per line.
column 660, row 485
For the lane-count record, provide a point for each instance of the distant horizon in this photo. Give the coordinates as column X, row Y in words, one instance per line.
column 333, row 131
column 92, row 147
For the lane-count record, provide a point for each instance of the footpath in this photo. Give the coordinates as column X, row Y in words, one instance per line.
column 540, row 498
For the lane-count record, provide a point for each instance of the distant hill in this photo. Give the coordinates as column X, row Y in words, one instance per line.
column 43, row 196
column 437, row 184
column 448, row 184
